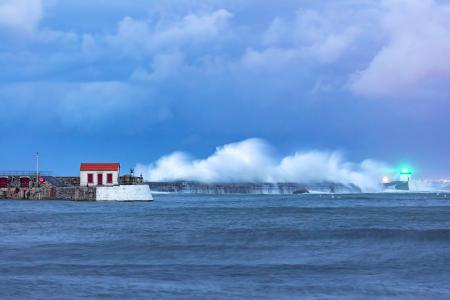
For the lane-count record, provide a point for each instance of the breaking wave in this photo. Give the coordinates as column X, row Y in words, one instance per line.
column 253, row 160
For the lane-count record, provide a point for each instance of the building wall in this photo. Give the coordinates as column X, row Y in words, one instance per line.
column 84, row 178
column 405, row 177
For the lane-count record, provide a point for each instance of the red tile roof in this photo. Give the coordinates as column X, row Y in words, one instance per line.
column 100, row 167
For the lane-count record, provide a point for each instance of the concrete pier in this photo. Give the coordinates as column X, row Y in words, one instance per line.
column 77, row 193
column 68, row 188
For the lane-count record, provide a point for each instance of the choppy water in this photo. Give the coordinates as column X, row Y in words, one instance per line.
column 228, row 247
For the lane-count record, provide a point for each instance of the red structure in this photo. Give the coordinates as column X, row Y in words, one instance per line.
column 99, row 167
column 4, row 182
column 25, row 182
column 90, row 178
column 109, row 178
column 99, row 179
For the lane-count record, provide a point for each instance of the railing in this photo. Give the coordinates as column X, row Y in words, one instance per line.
column 24, row 173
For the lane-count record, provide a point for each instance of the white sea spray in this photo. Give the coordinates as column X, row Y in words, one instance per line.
column 253, row 160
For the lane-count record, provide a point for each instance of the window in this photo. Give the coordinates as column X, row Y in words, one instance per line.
column 99, row 179
column 109, row 178
column 90, row 178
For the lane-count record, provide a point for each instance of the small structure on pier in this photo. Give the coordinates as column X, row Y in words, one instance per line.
column 99, row 174
column 22, row 179
column 4, row 182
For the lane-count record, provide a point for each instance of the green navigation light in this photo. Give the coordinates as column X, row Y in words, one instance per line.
column 405, row 172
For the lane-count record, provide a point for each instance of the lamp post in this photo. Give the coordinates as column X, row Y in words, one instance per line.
column 37, row 175
column 37, row 169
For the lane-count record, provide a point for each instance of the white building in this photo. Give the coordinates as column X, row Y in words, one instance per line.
column 99, row 174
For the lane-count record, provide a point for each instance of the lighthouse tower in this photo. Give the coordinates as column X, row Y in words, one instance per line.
column 405, row 175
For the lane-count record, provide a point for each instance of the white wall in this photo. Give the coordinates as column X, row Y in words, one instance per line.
column 405, row 177
column 124, row 193
column 84, row 177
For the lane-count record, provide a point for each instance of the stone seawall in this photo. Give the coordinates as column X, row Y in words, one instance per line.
column 26, row 194
column 188, row 187
column 76, row 193
column 49, row 193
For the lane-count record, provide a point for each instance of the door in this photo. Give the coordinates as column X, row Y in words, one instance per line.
column 99, row 179
column 3, row 182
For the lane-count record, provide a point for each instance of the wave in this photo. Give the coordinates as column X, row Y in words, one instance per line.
column 253, row 160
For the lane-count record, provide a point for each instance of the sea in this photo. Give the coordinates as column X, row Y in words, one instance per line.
column 359, row 246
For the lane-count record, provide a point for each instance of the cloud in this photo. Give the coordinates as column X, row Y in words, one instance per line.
column 21, row 20
column 137, row 36
column 271, row 59
column 163, row 66
column 21, row 15
column 310, row 35
column 322, row 36
column 416, row 51
column 195, row 27
column 252, row 160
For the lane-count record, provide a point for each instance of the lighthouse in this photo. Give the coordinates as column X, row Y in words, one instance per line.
column 405, row 175
column 403, row 184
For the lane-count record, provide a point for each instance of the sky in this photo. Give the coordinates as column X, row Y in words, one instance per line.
column 138, row 81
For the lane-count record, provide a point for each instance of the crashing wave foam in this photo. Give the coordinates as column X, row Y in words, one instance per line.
column 252, row 160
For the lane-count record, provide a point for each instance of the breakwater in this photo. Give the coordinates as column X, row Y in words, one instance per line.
column 49, row 193
column 67, row 188
column 21, row 187
column 189, row 187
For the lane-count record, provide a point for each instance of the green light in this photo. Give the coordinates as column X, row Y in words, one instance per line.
column 405, row 172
